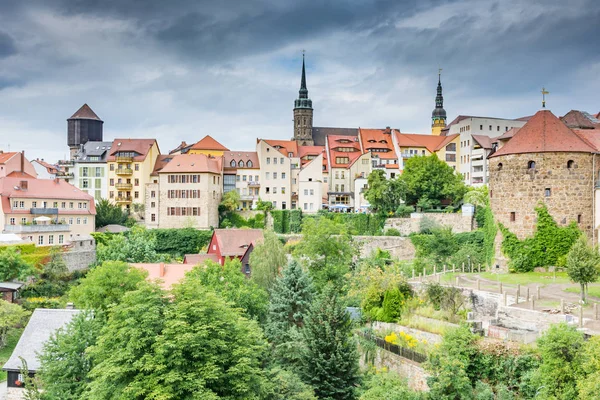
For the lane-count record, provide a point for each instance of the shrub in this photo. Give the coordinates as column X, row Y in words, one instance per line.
column 404, row 211
column 392, row 232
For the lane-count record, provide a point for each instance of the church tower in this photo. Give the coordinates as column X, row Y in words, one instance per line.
column 303, row 114
column 438, row 116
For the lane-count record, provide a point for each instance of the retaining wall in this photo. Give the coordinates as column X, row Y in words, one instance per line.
column 458, row 222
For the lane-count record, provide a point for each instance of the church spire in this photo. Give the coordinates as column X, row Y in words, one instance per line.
column 438, row 116
column 303, row 94
column 303, row 112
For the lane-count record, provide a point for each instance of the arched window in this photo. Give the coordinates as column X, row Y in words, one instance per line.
column 241, row 164
column 232, row 163
column 500, row 166
column 570, row 164
column 531, row 165
column 249, row 164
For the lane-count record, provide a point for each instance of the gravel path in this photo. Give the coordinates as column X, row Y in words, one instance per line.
column 2, row 390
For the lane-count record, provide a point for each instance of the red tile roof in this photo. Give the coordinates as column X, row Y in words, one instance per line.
column 237, row 156
column 168, row 274
column 483, row 140
column 590, row 136
column 140, row 146
column 196, row 259
column 4, row 157
column 208, row 143
column 580, row 120
column 305, row 151
column 85, row 112
column 234, row 242
column 336, row 141
column 160, row 163
column 543, row 133
column 432, row 143
column 56, row 189
column 193, row 163
column 52, row 169
column 285, row 147
column 377, row 139
column 508, row 134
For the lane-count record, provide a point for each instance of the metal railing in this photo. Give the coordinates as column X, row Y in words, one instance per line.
column 124, row 186
column 124, row 171
column 394, row 348
column 123, row 159
column 37, row 228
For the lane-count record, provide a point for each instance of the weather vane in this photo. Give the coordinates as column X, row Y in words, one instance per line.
column 544, row 93
column 439, row 71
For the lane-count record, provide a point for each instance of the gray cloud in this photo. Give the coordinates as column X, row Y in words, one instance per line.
column 7, row 45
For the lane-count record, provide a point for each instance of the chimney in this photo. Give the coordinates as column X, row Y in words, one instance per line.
column 388, row 130
column 161, row 271
column 23, row 185
column 56, row 180
column 23, row 161
column 70, row 306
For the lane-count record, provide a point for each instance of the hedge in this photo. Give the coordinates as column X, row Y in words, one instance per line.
column 37, row 256
column 179, row 242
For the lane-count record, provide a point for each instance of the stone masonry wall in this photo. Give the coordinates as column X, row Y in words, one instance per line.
column 458, row 222
column 413, row 372
column 516, row 188
column 80, row 253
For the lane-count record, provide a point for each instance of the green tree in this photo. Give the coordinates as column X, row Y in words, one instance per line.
column 589, row 383
column 55, row 268
column 12, row 265
column 229, row 282
column 384, row 195
column 108, row 213
column 266, row 260
column 288, row 386
column 478, row 196
column 11, row 316
column 138, row 247
column 388, row 386
column 65, row 364
column 330, row 360
column 290, row 300
column 327, row 249
column 429, row 178
column 582, row 264
column 562, row 351
column 105, row 285
column 230, row 201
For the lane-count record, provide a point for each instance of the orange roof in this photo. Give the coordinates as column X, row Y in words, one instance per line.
column 52, row 169
column 305, row 151
column 507, row 135
column 483, row 140
column 139, row 146
column 285, row 147
column 432, row 143
column 4, row 157
column 336, row 141
column 196, row 259
column 234, row 242
column 85, row 112
column 193, row 163
column 544, row 133
column 208, row 143
column 168, row 274
column 590, row 136
column 376, row 139
column 391, row 166
column 160, row 163
column 56, row 189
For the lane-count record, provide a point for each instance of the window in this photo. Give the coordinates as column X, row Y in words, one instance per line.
column 570, row 164
column 112, row 167
column 112, row 182
column 500, row 166
column 268, row 160
column 137, row 167
column 342, row 160
column 312, row 192
column 137, row 182
column 111, row 194
column 337, row 188
column 274, row 190
column 152, row 204
column 283, row 205
column 531, row 165
column 71, row 205
column 480, row 127
column 79, row 205
column 490, row 127
column 12, row 221
column 274, row 175
column 578, row 218
column 342, row 187
column 267, row 175
column 34, row 204
column 153, row 194
column 85, row 220
column 267, row 190
column 15, row 204
column 78, row 221
column 306, row 192
column 40, row 240
column 55, row 204
column 283, row 190
column 305, row 206
column 513, row 216
column 244, row 177
column 50, row 239
column 283, row 175
column 450, row 157
column 136, row 195
column 451, row 147
column 99, row 172
column 232, row 163
column 84, row 171
column 249, row 164
column 274, row 160
column 274, row 204
column 153, row 217
column 547, row 192
column 241, row 164
column 23, row 221
column 498, row 128
column 281, row 160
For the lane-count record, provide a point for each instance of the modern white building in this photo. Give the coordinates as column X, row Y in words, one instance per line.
column 89, row 169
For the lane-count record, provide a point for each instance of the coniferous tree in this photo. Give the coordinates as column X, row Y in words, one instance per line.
column 290, row 299
column 329, row 362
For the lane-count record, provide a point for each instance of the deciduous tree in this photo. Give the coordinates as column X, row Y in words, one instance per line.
column 266, row 260
column 384, row 195
column 582, row 264
column 12, row 265
column 11, row 316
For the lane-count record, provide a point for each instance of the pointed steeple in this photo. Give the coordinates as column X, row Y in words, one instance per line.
column 303, row 112
column 438, row 116
column 439, row 99
column 303, row 101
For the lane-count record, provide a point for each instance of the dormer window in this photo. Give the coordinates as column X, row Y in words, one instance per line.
column 249, row 164
column 241, row 164
column 232, row 163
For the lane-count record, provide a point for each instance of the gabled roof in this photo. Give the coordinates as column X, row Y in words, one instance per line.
column 197, row 259
column 5, row 156
column 285, row 147
column 305, row 151
column 208, row 143
column 139, row 146
column 507, row 135
column 319, row 133
column 183, row 147
column 544, row 133
column 483, row 140
column 234, row 242
column 42, row 188
column 52, row 169
column 42, row 324
column 85, row 112
column 375, row 138
column 590, row 136
column 192, row 163
column 237, row 156
column 432, row 143
column 580, row 120
column 160, row 163
column 335, row 141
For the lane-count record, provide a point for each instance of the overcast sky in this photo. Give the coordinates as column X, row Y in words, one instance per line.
column 180, row 69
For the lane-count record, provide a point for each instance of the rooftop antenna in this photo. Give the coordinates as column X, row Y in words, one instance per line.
column 544, row 93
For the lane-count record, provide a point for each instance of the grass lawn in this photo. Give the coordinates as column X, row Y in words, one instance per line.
column 592, row 290
column 524, row 278
column 5, row 353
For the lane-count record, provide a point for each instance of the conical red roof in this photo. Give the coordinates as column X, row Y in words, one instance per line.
column 544, row 133
column 208, row 143
column 85, row 112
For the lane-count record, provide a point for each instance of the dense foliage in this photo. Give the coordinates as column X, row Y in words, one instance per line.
column 583, row 261
column 384, row 195
column 548, row 246
column 138, row 246
column 179, row 242
column 108, row 213
column 266, row 259
column 11, row 316
column 14, row 266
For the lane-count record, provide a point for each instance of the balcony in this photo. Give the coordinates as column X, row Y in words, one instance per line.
column 37, row 228
column 253, row 184
column 124, row 186
column 123, row 199
column 409, row 155
column 124, row 171
column 43, row 211
column 65, row 175
column 123, row 159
